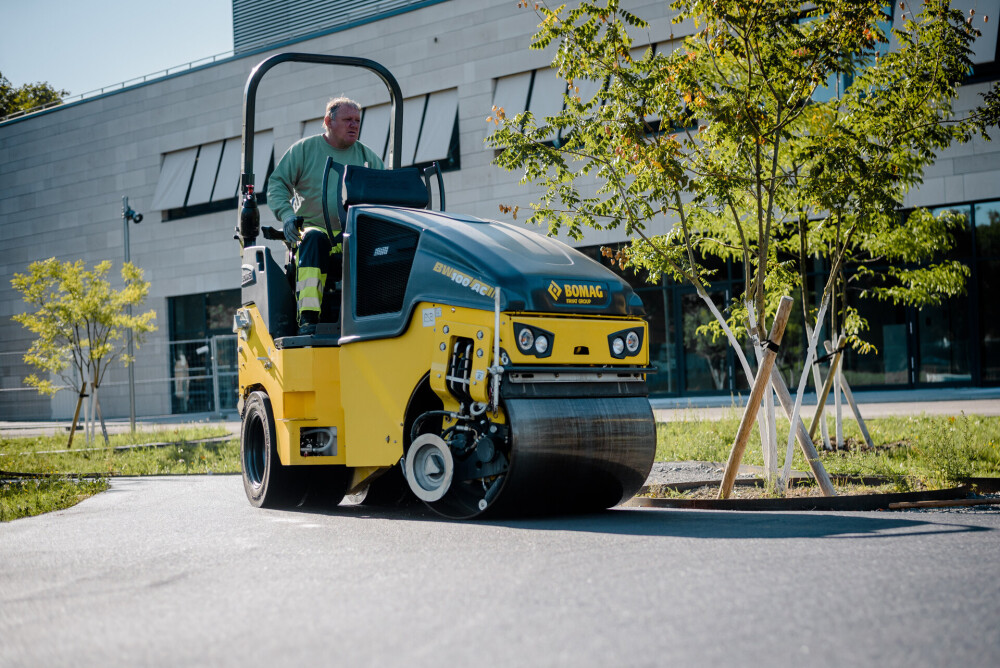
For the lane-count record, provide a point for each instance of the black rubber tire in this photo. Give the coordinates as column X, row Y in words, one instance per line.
column 267, row 483
column 326, row 485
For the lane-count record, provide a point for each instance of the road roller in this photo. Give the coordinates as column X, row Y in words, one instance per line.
column 475, row 365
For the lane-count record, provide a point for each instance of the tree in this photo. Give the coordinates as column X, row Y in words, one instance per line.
column 742, row 142
column 80, row 322
column 27, row 97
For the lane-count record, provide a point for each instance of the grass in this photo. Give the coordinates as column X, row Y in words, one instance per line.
column 930, row 451
column 174, row 452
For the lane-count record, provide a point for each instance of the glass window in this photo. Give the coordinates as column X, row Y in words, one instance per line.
column 202, row 345
column 706, row 362
column 662, row 341
column 944, row 342
column 888, row 332
column 989, row 329
column 988, row 229
column 963, row 237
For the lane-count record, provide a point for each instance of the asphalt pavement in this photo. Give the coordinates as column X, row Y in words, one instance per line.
column 183, row 571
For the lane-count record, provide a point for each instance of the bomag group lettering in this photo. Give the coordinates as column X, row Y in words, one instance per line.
column 576, row 293
column 464, row 279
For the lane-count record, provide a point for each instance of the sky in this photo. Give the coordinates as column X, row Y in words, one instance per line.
column 81, row 45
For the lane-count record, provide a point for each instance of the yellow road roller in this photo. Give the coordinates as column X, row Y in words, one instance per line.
column 482, row 368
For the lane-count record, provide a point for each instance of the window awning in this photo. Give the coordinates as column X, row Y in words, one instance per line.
column 313, row 127
column 228, row 180
column 175, row 177
column 413, row 114
column 546, row 96
column 263, row 147
column 439, row 123
column 511, row 93
column 375, row 129
column 211, row 172
column 205, row 171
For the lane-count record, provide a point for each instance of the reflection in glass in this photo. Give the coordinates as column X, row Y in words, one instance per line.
column 887, row 331
column 705, row 361
column 988, row 229
column 662, row 341
column 944, row 342
column 989, row 285
column 963, row 237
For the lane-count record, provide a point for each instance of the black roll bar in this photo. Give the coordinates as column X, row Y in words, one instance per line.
column 250, row 103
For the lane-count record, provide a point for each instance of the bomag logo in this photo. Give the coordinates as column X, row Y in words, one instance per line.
column 577, row 293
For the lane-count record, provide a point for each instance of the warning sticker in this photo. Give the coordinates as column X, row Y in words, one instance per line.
column 431, row 315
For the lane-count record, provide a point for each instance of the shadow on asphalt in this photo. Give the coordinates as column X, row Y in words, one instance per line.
column 730, row 524
column 684, row 523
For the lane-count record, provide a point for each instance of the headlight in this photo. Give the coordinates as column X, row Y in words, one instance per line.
column 632, row 342
column 617, row 345
column 625, row 343
column 533, row 341
column 524, row 339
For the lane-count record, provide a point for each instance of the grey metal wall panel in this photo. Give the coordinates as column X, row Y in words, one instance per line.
column 259, row 23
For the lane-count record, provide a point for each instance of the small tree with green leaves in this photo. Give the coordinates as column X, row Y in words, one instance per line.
column 727, row 141
column 27, row 96
column 81, row 323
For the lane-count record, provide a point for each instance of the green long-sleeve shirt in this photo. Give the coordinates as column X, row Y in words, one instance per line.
column 296, row 184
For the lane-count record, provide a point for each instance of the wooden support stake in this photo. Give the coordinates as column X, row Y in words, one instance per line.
column 76, row 414
column 857, row 412
column 821, row 399
column 761, row 383
column 802, row 434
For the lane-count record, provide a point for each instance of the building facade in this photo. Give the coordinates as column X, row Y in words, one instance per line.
column 172, row 146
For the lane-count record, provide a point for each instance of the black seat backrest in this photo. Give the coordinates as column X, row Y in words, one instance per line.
column 395, row 187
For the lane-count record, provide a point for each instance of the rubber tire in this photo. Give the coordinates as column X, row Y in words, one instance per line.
column 266, row 481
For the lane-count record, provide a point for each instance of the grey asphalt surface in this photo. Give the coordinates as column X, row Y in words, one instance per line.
column 182, row 571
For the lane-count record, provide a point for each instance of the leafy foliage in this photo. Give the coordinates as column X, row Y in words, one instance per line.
column 745, row 143
column 79, row 319
column 27, row 96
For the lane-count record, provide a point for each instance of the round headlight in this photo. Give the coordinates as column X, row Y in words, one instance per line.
column 632, row 342
column 524, row 339
column 541, row 344
column 617, row 345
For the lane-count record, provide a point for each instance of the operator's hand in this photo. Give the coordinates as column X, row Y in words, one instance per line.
column 292, row 233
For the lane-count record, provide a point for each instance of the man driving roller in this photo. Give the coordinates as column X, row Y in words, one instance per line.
column 295, row 195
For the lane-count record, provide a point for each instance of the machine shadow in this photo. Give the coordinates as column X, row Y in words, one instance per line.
column 674, row 523
column 736, row 524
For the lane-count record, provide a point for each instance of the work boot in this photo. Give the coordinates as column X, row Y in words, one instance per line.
column 307, row 323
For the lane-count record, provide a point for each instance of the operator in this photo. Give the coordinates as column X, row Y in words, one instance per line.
column 295, row 195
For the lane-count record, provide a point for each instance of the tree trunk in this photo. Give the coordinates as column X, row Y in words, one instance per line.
column 76, row 414
column 104, row 427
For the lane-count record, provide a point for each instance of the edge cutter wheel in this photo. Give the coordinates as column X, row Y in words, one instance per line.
column 429, row 467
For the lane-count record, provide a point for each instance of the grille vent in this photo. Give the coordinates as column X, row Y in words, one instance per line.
column 385, row 256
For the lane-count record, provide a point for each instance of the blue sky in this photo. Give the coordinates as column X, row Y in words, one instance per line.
column 82, row 46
